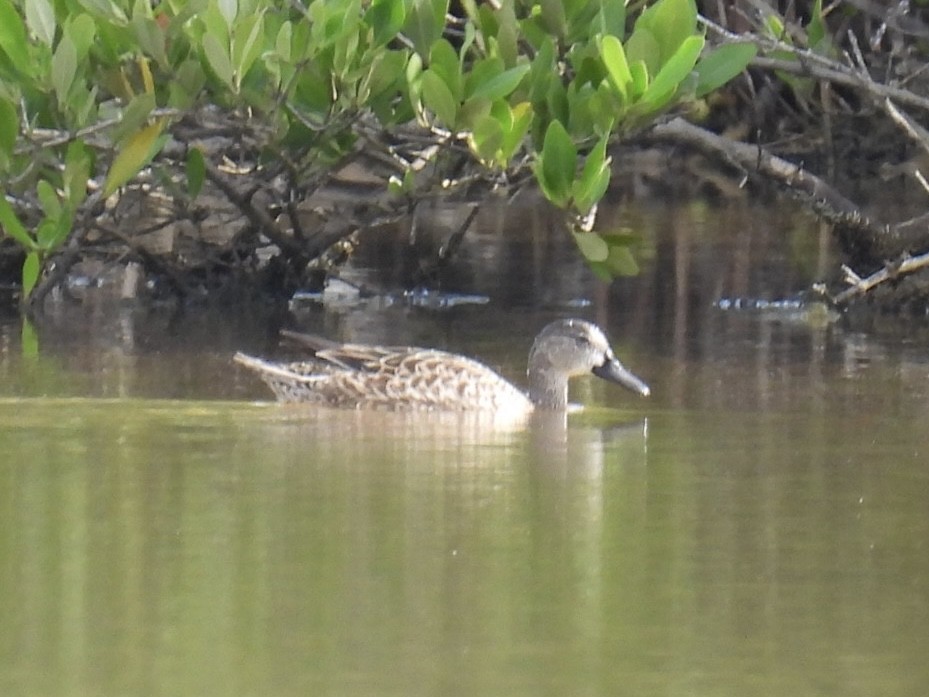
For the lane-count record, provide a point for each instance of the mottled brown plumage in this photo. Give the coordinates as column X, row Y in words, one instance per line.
column 408, row 378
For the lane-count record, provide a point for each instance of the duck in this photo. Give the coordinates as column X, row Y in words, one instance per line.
column 409, row 378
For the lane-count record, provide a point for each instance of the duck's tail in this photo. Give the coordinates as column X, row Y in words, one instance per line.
column 273, row 371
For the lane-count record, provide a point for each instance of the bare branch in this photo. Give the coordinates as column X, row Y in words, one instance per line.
column 860, row 286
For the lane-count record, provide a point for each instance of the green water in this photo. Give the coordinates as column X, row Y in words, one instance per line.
column 197, row 548
column 758, row 527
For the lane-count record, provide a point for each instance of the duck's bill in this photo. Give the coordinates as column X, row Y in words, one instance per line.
column 614, row 371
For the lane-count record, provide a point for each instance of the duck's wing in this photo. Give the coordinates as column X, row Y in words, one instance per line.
column 389, row 377
column 413, row 378
column 311, row 342
column 332, row 355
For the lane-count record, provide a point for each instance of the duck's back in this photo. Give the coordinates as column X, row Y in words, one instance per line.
column 401, row 379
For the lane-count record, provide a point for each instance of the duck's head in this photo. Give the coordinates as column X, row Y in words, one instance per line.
column 571, row 347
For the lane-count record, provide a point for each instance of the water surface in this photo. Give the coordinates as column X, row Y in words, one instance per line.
column 758, row 526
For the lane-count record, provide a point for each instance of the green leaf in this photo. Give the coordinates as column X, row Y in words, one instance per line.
column 214, row 24
column 643, row 47
column 386, row 17
column 247, row 44
column 621, row 261
column 582, row 16
column 106, row 9
column 581, row 120
column 666, row 82
column 228, row 9
column 604, row 108
column 486, row 138
column 13, row 40
column 774, row 26
column 151, row 38
column 83, row 31
column 611, row 18
column 425, row 23
column 438, row 98
column 481, row 71
column 28, row 340
column 671, row 22
column 64, row 67
column 723, row 64
column 386, row 71
column 9, row 127
column 558, row 164
column 142, row 8
column 614, row 58
column 31, row 267
column 816, row 29
column 443, row 61
column 501, row 111
column 188, row 81
column 218, row 59
column 134, row 116
column 639, row 73
column 818, row 37
column 52, row 232
column 346, row 58
column 553, row 16
column 501, row 85
column 592, row 246
column 589, row 69
column 542, row 71
column 62, row 229
column 507, row 35
column 282, row 44
column 594, row 179
column 196, row 172
column 557, row 102
column 601, row 270
column 513, row 138
column 78, row 165
column 10, row 224
column 472, row 111
column 135, row 154
column 48, row 198
column 83, row 104
column 40, row 18
column 414, row 70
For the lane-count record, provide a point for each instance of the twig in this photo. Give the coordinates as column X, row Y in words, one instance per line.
column 65, row 258
column 828, row 201
column 860, row 286
column 149, row 259
column 871, row 240
column 812, row 64
column 259, row 218
column 49, row 138
column 916, row 132
column 447, row 250
column 835, row 73
column 922, row 180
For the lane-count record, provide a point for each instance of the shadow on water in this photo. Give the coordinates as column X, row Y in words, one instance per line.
column 758, row 526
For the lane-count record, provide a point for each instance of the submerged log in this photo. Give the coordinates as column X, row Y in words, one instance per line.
column 887, row 263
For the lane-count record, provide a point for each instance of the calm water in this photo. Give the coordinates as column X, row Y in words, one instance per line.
column 759, row 526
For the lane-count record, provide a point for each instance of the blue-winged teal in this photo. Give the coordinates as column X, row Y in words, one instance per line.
column 356, row 376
